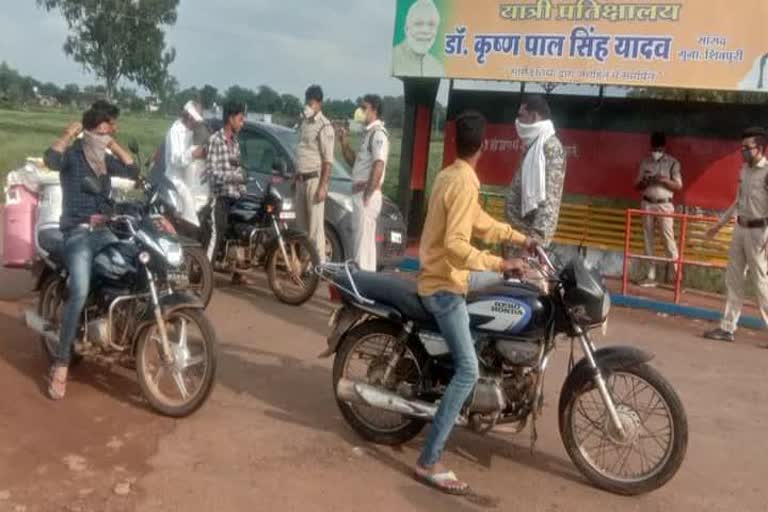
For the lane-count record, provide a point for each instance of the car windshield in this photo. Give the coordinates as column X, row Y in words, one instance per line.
column 290, row 140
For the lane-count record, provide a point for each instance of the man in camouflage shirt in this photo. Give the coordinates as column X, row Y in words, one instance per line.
column 533, row 201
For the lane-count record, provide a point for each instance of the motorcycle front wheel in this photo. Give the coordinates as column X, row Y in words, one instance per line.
column 293, row 281
column 651, row 449
column 178, row 388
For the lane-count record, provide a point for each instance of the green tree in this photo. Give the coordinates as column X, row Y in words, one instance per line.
column 339, row 109
column 119, row 39
column 268, row 101
column 208, row 96
column 69, row 95
column 291, row 105
column 243, row 95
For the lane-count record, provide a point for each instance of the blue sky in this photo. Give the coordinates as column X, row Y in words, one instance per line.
column 345, row 45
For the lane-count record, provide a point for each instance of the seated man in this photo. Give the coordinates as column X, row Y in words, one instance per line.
column 86, row 158
column 454, row 216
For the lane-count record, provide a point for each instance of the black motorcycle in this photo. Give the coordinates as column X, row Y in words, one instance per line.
column 134, row 315
column 258, row 235
column 621, row 422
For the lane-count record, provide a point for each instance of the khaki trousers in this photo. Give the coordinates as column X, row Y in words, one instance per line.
column 666, row 227
column 746, row 252
column 310, row 216
column 364, row 219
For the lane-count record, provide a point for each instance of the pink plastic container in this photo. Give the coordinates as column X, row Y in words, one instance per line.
column 19, row 227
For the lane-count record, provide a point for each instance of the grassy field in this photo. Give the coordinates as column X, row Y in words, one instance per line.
column 28, row 134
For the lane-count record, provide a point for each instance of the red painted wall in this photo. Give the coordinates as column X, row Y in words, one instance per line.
column 604, row 164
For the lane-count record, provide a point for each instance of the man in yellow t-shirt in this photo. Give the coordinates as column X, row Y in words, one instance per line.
column 447, row 258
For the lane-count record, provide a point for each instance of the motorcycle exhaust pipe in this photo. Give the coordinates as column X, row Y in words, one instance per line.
column 365, row 394
column 35, row 322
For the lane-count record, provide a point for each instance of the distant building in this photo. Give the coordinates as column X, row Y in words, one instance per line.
column 153, row 104
column 47, row 101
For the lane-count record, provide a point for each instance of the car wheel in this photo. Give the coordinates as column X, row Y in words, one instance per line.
column 333, row 250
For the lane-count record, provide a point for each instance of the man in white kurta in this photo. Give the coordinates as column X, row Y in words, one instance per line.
column 180, row 155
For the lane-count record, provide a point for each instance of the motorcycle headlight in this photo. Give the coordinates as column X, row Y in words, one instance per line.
column 174, row 255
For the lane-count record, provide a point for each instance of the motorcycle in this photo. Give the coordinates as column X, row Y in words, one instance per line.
column 134, row 315
column 258, row 235
column 622, row 424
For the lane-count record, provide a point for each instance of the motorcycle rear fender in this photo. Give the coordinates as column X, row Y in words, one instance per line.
column 349, row 315
column 40, row 270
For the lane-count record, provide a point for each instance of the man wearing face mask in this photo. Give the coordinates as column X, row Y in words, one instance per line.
column 750, row 235
column 533, row 201
column 412, row 57
column 96, row 157
column 314, row 156
column 368, row 168
column 657, row 180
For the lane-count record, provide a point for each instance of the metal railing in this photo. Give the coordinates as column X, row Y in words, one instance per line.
column 686, row 221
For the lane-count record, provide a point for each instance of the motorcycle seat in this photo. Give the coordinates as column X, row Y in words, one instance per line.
column 51, row 240
column 388, row 290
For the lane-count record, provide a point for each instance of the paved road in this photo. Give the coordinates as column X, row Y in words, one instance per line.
column 271, row 437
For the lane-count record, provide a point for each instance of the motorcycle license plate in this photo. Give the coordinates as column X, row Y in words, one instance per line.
column 396, row 237
column 287, row 215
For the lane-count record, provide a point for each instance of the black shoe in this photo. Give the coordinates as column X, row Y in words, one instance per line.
column 719, row 335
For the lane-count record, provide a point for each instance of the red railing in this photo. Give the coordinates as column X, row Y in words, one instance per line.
column 680, row 262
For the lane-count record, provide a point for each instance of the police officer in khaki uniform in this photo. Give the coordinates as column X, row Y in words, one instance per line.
column 314, row 156
column 658, row 179
column 750, row 235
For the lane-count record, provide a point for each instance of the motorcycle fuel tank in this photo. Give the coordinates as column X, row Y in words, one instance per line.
column 498, row 314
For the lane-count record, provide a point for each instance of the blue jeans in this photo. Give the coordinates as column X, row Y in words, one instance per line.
column 452, row 317
column 80, row 246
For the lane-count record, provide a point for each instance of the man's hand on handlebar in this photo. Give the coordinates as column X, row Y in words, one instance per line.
column 532, row 245
column 514, row 268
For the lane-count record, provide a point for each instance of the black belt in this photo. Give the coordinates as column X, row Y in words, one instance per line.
column 306, row 176
column 752, row 223
column 656, row 201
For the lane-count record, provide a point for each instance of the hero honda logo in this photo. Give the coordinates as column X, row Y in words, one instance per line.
column 501, row 314
column 508, row 308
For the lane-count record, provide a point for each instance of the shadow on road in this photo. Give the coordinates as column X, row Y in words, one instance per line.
column 313, row 315
column 302, row 395
column 21, row 349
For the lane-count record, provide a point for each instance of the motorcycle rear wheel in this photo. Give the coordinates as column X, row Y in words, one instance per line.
column 200, row 272
column 374, row 340
column 194, row 364
column 654, row 420
column 49, row 307
column 284, row 282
